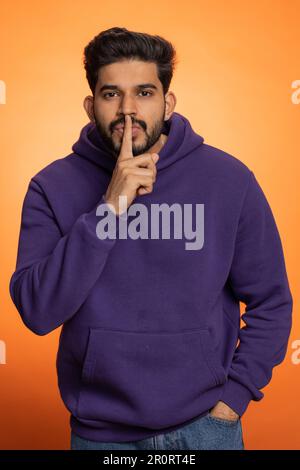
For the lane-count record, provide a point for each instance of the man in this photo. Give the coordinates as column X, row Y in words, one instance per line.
column 151, row 352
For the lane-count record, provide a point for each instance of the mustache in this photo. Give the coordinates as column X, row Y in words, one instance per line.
column 141, row 124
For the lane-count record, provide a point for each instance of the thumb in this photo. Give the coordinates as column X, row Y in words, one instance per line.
column 155, row 157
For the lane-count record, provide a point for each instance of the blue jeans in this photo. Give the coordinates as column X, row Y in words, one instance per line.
column 205, row 433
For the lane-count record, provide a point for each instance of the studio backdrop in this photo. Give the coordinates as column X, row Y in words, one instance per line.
column 237, row 81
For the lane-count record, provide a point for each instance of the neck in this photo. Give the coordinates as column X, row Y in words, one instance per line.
column 160, row 143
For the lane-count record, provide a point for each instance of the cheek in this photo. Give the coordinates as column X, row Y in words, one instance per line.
column 105, row 122
column 104, row 114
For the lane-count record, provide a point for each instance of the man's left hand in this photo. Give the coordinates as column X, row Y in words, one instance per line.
column 223, row 411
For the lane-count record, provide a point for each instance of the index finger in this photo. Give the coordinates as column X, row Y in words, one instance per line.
column 126, row 146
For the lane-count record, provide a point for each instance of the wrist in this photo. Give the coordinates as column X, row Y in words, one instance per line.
column 111, row 204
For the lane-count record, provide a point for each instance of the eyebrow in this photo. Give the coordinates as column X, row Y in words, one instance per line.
column 115, row 87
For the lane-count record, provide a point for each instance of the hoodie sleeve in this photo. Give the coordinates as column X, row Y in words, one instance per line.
column 258, row 278
column 54, row 273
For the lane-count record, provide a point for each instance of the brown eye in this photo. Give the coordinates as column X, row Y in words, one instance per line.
column 110, row 93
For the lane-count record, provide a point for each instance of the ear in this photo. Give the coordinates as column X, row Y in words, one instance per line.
column 88, row 104
column 171, row 101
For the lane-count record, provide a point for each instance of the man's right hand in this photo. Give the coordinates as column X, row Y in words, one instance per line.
column 132, row 176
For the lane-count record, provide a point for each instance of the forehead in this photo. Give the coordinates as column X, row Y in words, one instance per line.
column 128, row 73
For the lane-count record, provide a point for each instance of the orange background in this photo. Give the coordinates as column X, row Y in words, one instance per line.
column 237, row 61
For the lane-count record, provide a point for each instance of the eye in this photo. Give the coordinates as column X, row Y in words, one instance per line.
column 143, row 91
column 110, row 93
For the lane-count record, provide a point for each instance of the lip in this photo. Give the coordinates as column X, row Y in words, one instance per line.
column 121, row 127
column 120, row 130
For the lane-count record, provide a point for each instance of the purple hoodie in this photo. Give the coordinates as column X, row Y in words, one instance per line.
column 151, row 337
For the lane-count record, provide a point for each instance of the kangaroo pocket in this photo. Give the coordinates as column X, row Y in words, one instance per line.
column 146, row 378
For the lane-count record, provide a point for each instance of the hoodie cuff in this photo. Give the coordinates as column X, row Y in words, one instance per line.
column 103, row 201
column 236, row 396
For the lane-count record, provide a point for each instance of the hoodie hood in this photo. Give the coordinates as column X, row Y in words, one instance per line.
column 182, row 140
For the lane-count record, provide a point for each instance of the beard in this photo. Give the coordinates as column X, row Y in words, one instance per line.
column 149, row 138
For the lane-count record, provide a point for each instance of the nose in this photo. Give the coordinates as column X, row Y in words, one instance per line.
column 127, row 106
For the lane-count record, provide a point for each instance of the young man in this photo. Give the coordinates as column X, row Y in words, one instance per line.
column 141, row 243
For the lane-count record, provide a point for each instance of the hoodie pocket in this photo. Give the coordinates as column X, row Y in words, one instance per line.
column 147, row 378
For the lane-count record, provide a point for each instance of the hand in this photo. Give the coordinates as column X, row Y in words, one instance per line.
column 223, row 411
column 132, row 176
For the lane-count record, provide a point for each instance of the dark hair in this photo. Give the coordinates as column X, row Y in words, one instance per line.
column 116, row 44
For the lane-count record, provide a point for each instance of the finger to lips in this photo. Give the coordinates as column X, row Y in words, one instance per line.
column 126, row 146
